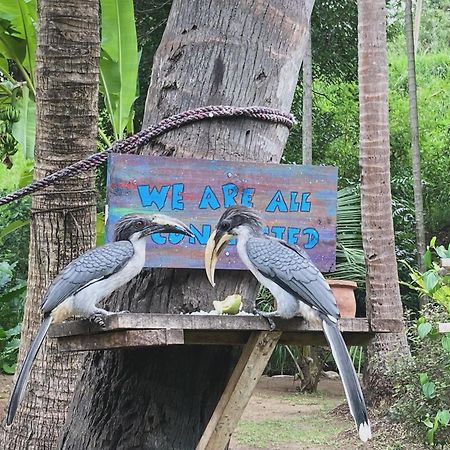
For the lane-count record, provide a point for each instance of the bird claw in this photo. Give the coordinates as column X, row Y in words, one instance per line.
column 98, row 319
column 269, row 319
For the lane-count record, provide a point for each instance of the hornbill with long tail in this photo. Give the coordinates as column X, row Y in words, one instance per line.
column 91, row 277
column 298, row 287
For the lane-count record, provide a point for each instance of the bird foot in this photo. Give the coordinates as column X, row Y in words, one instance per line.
column 98, row 319
column 266, row 316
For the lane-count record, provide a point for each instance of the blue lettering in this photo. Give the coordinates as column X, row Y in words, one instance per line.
column 279, row 232
column 175, row 238
column 293, row 233
column 230, row 191
column 177, row 196
column 313, row 237
column 305, row 203
column 202, row 237
column 158, row 239
column 265, row 230
column 247, row 195
column 277, row 202
column 294, row 205
column 209, row 199
column 158, row 197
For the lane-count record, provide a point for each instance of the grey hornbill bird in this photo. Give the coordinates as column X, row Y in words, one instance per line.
column 296, row 284
column 91, row 277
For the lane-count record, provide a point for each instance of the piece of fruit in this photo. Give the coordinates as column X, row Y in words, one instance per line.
column 231, row 305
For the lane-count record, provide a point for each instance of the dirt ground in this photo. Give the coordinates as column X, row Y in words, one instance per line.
column 279, row 418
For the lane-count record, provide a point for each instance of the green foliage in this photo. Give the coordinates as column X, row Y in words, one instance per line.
column 435, row 282
column 17, row 74
column 118, row 63
column 422, row 381
column 12, row 294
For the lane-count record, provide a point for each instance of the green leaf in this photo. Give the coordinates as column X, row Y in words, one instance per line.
column 442, row 252
column 22, row 16
column 119, row 61
column 427, row 422
column 100, row 229
column 11, row 227
column 446, row 342
column 427, row 260
column 4, row 66
column 433, row 242
column 423, row 378
column 12, row 47
column 25, row 129
column 443, row 417
column 9, row 368
column 431, row 279
column 423, row 329
column 428, row 389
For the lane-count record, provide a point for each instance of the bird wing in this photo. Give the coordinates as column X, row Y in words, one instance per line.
column 97, row 263
column 291, row 269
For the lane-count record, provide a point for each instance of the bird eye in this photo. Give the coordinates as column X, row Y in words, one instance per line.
column 139, row 224
column 225, row 226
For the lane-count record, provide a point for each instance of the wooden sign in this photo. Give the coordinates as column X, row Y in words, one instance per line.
column 297, row 204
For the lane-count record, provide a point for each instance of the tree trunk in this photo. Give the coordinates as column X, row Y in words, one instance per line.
column 63, row 216
column 416, row 22
column 383, row 294
column 242, row 53
column 307, row 103
column 414, row 131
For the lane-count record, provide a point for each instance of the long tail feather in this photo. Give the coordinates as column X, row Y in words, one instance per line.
column 349, row 378
column 22, row 379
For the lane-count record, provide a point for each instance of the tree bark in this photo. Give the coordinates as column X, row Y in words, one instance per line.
column 307, row 103
column 414, row 131
column 238, row 53
column 63, row 216
column 383, row 294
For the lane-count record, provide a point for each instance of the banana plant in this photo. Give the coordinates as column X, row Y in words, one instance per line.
column 119, row 60
column 18, row 21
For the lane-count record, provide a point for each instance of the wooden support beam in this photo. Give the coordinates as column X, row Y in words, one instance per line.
column 120, row 339
column 245, row 376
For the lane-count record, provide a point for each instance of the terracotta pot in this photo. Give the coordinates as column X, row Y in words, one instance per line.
column 343, row 291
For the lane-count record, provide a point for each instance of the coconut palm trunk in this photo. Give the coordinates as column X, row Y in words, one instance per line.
column 63, row 216
column 383, row 294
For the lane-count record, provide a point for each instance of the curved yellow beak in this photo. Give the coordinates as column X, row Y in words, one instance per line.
column 216, row 243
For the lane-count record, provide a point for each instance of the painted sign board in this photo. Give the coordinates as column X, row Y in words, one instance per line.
column 297, row 204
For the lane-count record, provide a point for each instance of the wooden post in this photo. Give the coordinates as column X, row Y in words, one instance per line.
column 239, row 389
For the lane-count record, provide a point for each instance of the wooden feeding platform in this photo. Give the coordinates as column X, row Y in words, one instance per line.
column 144, row 330
column 252, row 332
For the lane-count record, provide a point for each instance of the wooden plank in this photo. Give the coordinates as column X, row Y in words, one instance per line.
column 239, row 389
column 135, row 321
column 120, row 339
column 297, row 204
column 199, row 337
column 444, row 327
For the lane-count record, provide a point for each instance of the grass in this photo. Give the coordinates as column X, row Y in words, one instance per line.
column 266, row 433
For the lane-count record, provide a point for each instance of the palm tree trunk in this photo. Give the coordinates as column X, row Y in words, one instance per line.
column 414, row 131
column 63, row 216
column 241, row 53
column 383, row 294
column 307, row 103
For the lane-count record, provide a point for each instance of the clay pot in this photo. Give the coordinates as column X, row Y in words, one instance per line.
column 343, row 291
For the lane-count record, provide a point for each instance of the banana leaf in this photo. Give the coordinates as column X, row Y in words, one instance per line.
column 118, row 62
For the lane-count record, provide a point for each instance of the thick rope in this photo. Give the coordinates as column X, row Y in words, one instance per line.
column 142, row 138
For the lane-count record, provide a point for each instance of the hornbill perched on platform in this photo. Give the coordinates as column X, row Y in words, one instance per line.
column 298, row 287
column 91, row 277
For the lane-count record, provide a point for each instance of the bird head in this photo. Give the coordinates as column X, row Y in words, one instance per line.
column 136, row 226
column 234, row 220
